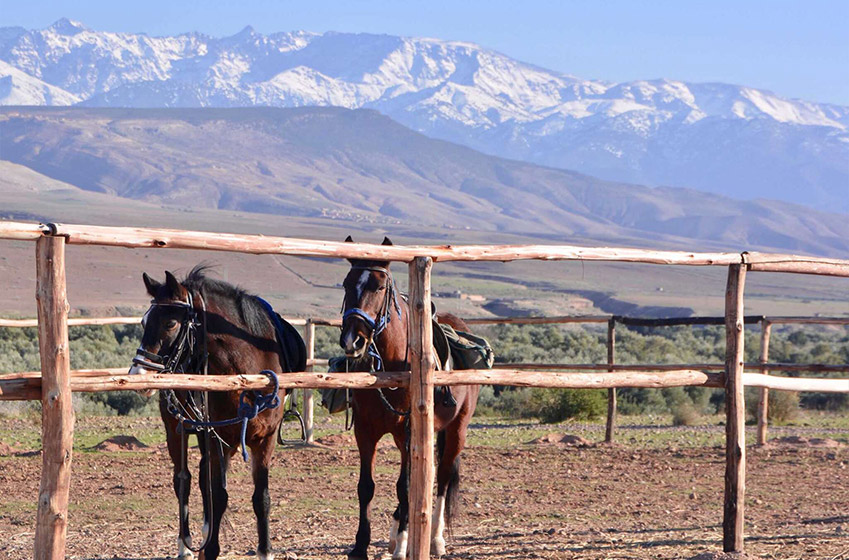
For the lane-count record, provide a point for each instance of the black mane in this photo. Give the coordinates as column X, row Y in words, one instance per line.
column 245, row 305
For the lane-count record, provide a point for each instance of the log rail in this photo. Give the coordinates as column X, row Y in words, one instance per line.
column 55, row 386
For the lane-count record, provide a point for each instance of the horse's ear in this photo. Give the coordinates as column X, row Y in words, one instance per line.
column 151, row 284
column 173, row 285
column 350, row 239
column 386, row 241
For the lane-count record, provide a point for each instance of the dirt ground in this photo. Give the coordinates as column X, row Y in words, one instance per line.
column 648, row 497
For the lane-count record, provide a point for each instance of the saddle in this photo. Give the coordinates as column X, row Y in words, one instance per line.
column 293, row 352
column 452, row 350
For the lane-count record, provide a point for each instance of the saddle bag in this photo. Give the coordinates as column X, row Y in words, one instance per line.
column 468, row 351
column 335, row 400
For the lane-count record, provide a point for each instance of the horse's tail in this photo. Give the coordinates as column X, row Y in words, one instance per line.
column 452, row 490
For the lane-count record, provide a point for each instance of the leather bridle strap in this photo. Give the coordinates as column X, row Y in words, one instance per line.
column 384, row 315
column 170, row 362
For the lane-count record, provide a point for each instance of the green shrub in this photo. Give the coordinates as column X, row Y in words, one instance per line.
column 783, row 406
column 685, row 414
column 556, row 405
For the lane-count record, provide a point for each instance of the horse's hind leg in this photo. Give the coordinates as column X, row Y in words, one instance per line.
column 260, row 461
column 182, row 487
column 449, row 444
column 367, row 446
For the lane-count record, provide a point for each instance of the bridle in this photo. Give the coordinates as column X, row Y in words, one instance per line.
column 184, row 346
column 384, row 315
column 377, row 326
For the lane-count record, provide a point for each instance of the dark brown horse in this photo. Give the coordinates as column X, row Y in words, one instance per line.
column 374, row 334
column 187, row 322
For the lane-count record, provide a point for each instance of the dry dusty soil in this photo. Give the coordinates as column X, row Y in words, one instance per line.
column 651, row 496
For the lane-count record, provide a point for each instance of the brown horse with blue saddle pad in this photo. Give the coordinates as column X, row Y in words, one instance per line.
column 203, row 325
column 374, row 336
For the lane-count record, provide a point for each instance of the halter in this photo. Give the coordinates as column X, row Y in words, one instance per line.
column 377, row 324
column 185, row 341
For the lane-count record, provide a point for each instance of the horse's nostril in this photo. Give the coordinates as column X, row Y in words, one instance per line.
column 359, row 342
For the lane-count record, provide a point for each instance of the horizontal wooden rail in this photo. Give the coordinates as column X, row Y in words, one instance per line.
column 773, row 262
column 537, row 320
column 327, row 322
column 27, row 385
column 24, row 231
column 808, row 320
column 178, row 239
column 258, row 244
column 815, row 368
column 610, row 367
column 815, row 384
column 77, row 321
column 757, row 366
column 527, row 320
column 88, row 321
column 680, row 321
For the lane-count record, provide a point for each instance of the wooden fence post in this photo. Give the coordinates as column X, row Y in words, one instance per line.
column 309, row 412
column 611, row 393
column 763, row 401
column 57, row 411
column 735, row 412
column 421, row 409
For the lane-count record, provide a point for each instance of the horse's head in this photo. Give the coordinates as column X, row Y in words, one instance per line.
column 169, row 328
column 370, row 301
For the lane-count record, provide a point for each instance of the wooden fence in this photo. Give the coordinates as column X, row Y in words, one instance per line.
column 56, row 381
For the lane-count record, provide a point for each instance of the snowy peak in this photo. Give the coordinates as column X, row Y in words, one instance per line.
column 66, row 26
column 19, row 88
column 733, row 140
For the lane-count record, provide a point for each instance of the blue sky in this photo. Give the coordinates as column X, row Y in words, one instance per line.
column 794, row 48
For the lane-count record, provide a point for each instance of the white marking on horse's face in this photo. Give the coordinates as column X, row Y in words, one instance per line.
column 138, row 370
column 400, row 546
column 144, row 317
column 348, row 341
column 437, row 541
column 183, row 552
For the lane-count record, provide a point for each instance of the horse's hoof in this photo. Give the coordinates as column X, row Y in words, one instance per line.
column 183, row 551
column 354, row 555
column 437, row 547
column 265, row 555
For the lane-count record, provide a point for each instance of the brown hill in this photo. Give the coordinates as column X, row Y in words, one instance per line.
column 363, row 167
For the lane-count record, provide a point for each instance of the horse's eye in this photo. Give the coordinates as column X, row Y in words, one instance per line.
column 171, row 324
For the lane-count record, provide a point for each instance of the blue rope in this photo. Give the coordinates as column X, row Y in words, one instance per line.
column 247, row 411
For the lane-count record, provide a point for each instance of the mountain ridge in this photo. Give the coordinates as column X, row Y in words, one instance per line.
column 732, row 140
column 361, row 166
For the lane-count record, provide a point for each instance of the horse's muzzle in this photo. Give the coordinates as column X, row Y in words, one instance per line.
column 138, row 370
column 354, row 344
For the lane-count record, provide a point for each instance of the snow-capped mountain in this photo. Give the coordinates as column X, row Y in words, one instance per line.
column 721, row 138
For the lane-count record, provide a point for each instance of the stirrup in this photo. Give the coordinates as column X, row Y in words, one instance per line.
column 292, row 413
column 448, row 399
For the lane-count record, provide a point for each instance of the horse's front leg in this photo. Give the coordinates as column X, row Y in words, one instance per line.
column 400, row 519
column 367, row 446
column 260, row 460
column 182, row 480
column 218, row 462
